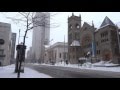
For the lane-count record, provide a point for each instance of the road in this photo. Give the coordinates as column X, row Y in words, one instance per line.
column 67, row 72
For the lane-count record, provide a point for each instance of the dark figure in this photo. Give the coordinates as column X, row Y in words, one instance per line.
column 67, row 62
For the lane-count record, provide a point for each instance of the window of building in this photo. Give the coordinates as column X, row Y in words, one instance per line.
column 60, row 55
column 97, row 43
column 77, row 26
column 99, row 52
column 104, row 34
column 107, row 39
column 85, row 28
column 70, row 27
column 77, row 36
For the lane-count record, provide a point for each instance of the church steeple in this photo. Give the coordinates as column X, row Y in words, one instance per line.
column 92, row 23
column 107, row 21
column 72, row 14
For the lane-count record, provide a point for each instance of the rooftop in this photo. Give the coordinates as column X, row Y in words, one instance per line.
column 107, row 21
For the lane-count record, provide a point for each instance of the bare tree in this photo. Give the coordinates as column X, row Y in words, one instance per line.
column 30, row 20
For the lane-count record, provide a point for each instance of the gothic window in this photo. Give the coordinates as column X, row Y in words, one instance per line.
column 104, row 34
column 86, row 40
column 2, row 41
column 77, row 26
column 85, row 28
column 70, row 27
column 97, row 43
column 60, row 55
column 77, row 36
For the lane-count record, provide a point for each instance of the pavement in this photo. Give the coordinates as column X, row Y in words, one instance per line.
column 68, row 72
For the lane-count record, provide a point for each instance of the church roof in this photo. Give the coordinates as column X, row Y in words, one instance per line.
column 106, row 22
column 75, row 43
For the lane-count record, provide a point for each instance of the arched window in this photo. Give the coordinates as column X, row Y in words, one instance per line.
column 70, row 27
column 77, row 26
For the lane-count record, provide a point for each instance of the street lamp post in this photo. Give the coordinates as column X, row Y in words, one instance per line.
column 64, row 50
column 50, row 50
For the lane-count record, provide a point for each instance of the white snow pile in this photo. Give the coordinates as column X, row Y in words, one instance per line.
column 8, row 72
column 88, row 64
column 105, row 64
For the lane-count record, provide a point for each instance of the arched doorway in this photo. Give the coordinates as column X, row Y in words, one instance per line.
column 107, row 55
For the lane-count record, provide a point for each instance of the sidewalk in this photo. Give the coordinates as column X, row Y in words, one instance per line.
column 8, row 72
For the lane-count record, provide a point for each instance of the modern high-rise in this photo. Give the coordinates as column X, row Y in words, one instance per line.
column 5, row 43
column 41, row 35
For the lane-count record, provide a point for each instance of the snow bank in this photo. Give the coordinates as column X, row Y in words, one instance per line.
column 101, row 66
column 105, row 64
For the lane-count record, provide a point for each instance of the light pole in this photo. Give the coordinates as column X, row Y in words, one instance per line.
column 19, row 36
column 64, row 50
column 50, row 50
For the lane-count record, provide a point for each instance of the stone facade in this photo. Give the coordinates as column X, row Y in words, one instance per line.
column 5, row 48
column 74, row 27
column 57, row 52
column 102, row 43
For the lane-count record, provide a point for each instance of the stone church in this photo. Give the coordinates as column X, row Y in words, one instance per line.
column 102, row 43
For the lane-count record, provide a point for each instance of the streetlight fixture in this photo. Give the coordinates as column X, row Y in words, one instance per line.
column 50, row 50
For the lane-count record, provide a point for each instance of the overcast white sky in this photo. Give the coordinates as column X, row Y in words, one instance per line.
column 61, row 18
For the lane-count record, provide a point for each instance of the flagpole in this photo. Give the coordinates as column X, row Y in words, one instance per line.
column 19, row 36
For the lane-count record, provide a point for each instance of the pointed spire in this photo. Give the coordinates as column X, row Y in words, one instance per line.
column 80, row 15
column 107, row 21
column 92, row 23
column 72, row 14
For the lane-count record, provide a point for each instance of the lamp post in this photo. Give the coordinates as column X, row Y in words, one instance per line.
column 50, row 50
column 64, row 50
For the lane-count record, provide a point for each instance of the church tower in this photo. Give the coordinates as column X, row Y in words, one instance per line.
column 74, row 27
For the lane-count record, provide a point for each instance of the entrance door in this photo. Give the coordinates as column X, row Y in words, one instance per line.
column 107, row 57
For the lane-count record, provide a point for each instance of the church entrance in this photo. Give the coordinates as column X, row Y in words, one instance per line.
column 107, row 57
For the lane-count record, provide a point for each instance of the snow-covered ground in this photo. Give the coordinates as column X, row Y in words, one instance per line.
column 97, row 66
column 8, row 72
